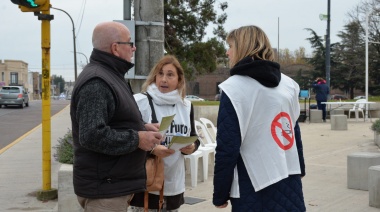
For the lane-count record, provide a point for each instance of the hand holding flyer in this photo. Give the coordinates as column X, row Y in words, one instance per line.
column 179, row 142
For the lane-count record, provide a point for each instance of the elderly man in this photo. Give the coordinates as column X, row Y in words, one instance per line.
column 110, row 138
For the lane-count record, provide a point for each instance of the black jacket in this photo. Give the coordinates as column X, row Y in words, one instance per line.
column 105, row 124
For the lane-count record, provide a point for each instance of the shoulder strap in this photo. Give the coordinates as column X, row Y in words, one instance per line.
column 154, row 118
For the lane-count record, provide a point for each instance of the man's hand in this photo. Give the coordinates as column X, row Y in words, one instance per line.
column 162, row 151
column 152, row 127
column 148, row 140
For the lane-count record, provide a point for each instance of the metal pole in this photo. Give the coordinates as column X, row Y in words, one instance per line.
column 46, row 124
column 328, row 46
column 75, row 49
column 366, row 63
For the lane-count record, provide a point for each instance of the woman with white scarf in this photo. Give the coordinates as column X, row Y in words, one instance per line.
column 167, row 88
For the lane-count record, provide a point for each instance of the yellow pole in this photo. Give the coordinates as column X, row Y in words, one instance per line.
column 46, row 125
column 47, row 193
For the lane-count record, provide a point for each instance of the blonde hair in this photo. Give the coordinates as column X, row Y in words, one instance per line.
column 167, row 59
column 249, row 41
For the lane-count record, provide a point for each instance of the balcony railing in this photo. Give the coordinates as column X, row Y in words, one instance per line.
column 17, row 83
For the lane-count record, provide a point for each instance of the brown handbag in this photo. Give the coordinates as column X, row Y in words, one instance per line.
column 154, row 179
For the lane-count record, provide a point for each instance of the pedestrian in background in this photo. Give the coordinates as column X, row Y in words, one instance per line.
column 257, row 165
column 166, row 87
column 322, row 91
column 110, row 138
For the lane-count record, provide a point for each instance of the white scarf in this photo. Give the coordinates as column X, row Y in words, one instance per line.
column 170, row 98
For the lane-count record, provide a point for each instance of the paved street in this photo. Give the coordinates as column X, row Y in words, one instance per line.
column 17, row 121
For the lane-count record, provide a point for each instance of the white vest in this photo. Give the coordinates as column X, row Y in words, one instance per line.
column 266, row 117
column 174, row 164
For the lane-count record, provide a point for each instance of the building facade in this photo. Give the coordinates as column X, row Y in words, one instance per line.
column 14, row 72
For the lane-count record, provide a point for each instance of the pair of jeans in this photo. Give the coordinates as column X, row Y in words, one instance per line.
column 323, row 108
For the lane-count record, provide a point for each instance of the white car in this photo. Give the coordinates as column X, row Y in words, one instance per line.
column 193, row 98
column 359, row 97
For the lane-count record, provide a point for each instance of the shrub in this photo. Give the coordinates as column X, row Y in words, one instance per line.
column 65, row 149
column 376, row 126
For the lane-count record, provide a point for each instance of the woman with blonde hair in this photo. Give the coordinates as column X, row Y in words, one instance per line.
column 259, row 160
column 166, row 87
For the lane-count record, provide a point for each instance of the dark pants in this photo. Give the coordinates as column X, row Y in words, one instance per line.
column 323, row 108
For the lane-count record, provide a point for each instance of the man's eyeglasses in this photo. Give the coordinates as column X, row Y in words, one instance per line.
column 130, row 43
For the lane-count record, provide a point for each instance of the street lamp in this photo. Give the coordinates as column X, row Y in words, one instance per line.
column 84, row 56
column 328, row 45
column 368, row 14
column 75, row 49
column 327, row 63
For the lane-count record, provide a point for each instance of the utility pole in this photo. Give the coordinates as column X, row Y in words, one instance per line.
column 41, row 9
column 149, row 18
column 328, row 46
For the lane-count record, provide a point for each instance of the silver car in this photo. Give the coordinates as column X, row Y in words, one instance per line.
column 14, row 95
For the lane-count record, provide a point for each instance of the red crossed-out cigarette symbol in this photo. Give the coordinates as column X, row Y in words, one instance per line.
column 286, row 131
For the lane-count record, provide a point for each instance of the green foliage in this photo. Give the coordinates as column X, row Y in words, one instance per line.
column 348, row 73
column 65, row 149
column 59, row 81
column 376, row 126
column 185, row 29
column 319, row 54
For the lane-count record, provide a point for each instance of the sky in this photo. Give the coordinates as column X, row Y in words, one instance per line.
column 20, row 32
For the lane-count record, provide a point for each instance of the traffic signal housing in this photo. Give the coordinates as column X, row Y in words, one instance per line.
column 32, row 5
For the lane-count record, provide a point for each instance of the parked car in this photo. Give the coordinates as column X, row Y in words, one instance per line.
column 359, row 97
column 193, row 98
column 338, row 97
column 14, row 95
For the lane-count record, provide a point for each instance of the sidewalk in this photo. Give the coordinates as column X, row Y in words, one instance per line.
column 21, row 168
column 325, row 183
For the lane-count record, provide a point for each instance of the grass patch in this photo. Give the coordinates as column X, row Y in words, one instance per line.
column 205, row 103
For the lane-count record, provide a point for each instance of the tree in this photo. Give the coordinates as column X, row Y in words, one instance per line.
column 318, row 59
column 319, row 51
column 288, row 57
column 59, row 81
column 185, row 29
column 358, row 14
column 349, row 73
column 293, row 64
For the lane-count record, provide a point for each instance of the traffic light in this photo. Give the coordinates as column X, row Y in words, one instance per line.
column 32, row 5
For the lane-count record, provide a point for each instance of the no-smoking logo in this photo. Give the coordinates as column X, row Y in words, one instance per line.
column 282, row 126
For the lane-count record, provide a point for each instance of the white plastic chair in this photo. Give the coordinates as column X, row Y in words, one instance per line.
column 210, row 127
column 194, row 158
column 203, row 135
column 206, row 147
column 206, row 151
column 358, row 108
